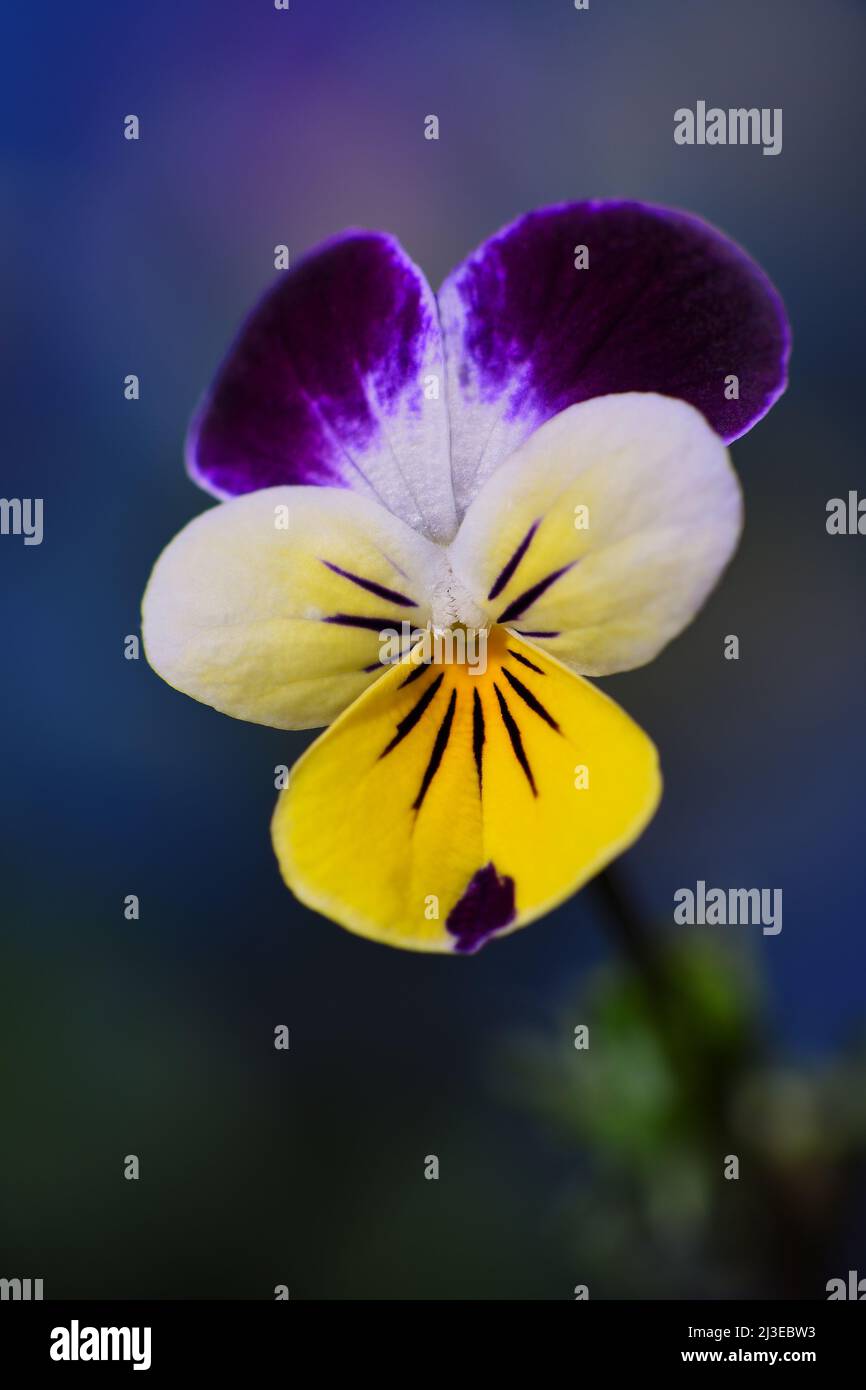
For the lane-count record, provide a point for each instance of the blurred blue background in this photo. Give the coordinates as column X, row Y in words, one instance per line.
column 155, row 1038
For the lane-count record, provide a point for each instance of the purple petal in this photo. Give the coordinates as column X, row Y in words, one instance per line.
column 667, row 304
column 327, row 384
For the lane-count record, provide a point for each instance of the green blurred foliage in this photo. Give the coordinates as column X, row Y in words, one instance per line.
column 678, row 1076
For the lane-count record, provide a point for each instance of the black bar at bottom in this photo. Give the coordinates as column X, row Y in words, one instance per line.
column 164, row 1338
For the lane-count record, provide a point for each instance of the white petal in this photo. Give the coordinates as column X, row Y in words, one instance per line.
column 284, row 626
column 653, row 482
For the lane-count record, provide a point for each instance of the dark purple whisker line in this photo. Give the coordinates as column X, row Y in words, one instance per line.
column 508, row 569
column 524, row 632
column 525, row 600
column 516, row 740
column 370, row 624
column 529, row 699
column 439, row 747
column 526, row 662
column 390, row 595
column 408, row 722
column 394, row 565
column 413, row 675
column 478, row 735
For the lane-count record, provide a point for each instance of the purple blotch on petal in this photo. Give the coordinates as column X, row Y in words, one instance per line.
column 487, row 905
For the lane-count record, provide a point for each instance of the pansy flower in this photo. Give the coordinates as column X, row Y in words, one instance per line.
column 534, row 457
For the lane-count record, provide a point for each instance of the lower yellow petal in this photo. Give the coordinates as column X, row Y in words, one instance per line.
column 446, row 807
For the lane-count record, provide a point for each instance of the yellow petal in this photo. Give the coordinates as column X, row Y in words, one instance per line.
column 447, row 807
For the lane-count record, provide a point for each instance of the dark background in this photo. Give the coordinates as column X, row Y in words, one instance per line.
column 155, row 1038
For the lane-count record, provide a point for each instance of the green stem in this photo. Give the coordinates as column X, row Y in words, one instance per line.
column 639, row 946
